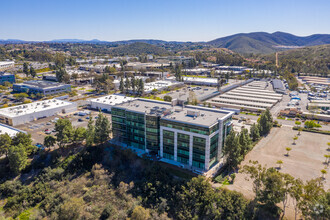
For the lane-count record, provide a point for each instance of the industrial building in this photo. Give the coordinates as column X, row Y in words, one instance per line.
column 105, row 103
column 160, row 85
column 278, row 86
column 319, row 104
column 316, row 80
column 9, row 130
column 253, row 97
column 5, row 65
column 41, row 86
column 7, row 77
column 200, row 81
column 191, row 137
column 21, row 114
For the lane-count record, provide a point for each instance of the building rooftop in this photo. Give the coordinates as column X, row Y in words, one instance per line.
column 112, row 99
column 9, row 130
column 200, row 79
column 200, row 116
column 42, row 84
column 33, row 107
column 278, row 84
column 148, row 87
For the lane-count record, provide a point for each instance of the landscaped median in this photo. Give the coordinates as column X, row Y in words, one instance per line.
column 314, row 130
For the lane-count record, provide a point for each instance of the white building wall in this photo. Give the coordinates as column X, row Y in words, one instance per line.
column 22, row 119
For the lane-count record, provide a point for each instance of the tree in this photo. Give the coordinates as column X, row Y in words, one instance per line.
column 233, row 150
column 70, row 209
column 254, row 132
column 79, row 135
column 139, row 213
column 323, row 171
column 49, row 141
column 90, row 132
column 62, row 75
column 265, row 122
column 294, row 139
column 311, row 124
column 167, row 98
column 26, row 69
column 296, row 192
column 5, row 142
column 127, row 84
column 328, row 149
column 140, row 87
column 299, row 130
column 25, row 140
column 64, row 132
column 17, row 158
column 245, row 141
column 288, row 149
column 32, row 72
column 279, row 162
column 102, row 129
column 21, row 96
column 133, row 84
column 121, row 85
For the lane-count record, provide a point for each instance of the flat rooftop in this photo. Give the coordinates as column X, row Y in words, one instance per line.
column 9, row 130
column 33, row 107
column 200, row 79
column 42, row 84
column 159, row 85
column 112, row 99
column 205, row 116
column 262, row 96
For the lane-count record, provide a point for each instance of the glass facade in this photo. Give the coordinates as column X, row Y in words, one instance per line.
column 214, row 149
column 186, row 127
column 183, row 148
column 199, row 152
column 128, row 127
column 168, row 144
column 152, row 133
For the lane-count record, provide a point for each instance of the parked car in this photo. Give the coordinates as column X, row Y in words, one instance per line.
column 80, row 120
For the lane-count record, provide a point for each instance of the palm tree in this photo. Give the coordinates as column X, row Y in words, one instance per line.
column 323, row 173
column 279, row 162
column 328, row 146
column 299, row 130
column 288, row 149
column 294, row 139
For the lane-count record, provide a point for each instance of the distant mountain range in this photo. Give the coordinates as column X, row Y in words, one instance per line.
column 262, row 42
column 255, row 42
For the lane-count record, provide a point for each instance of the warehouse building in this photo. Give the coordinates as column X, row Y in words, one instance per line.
column 319, row 104
column 252, row 98
column 105, row 103
column 187, row 136
column 12, row 132
column 7, row 77
column 160, row 85
column 200, row 81
column 278, row 86
column 42, row 87
column 33, row 111
column 5, row 65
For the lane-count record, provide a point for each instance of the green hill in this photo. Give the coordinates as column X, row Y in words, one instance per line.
column 263, row 43
column 138, row 48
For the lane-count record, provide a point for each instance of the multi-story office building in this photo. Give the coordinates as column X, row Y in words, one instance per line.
column 6, row 77
column 188, row 136
column 41, row 86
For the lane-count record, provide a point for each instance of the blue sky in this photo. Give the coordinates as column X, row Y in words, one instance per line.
column 180, row 20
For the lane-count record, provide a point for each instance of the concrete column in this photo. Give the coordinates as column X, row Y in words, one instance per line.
column 207, row 153
column 161, row 142
column 190, row 150
column 175, row 146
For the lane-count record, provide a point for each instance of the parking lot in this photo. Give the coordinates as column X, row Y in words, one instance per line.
column 43, row 127
column 306, row 158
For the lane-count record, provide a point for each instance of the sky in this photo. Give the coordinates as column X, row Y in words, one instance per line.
column 171, row 20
